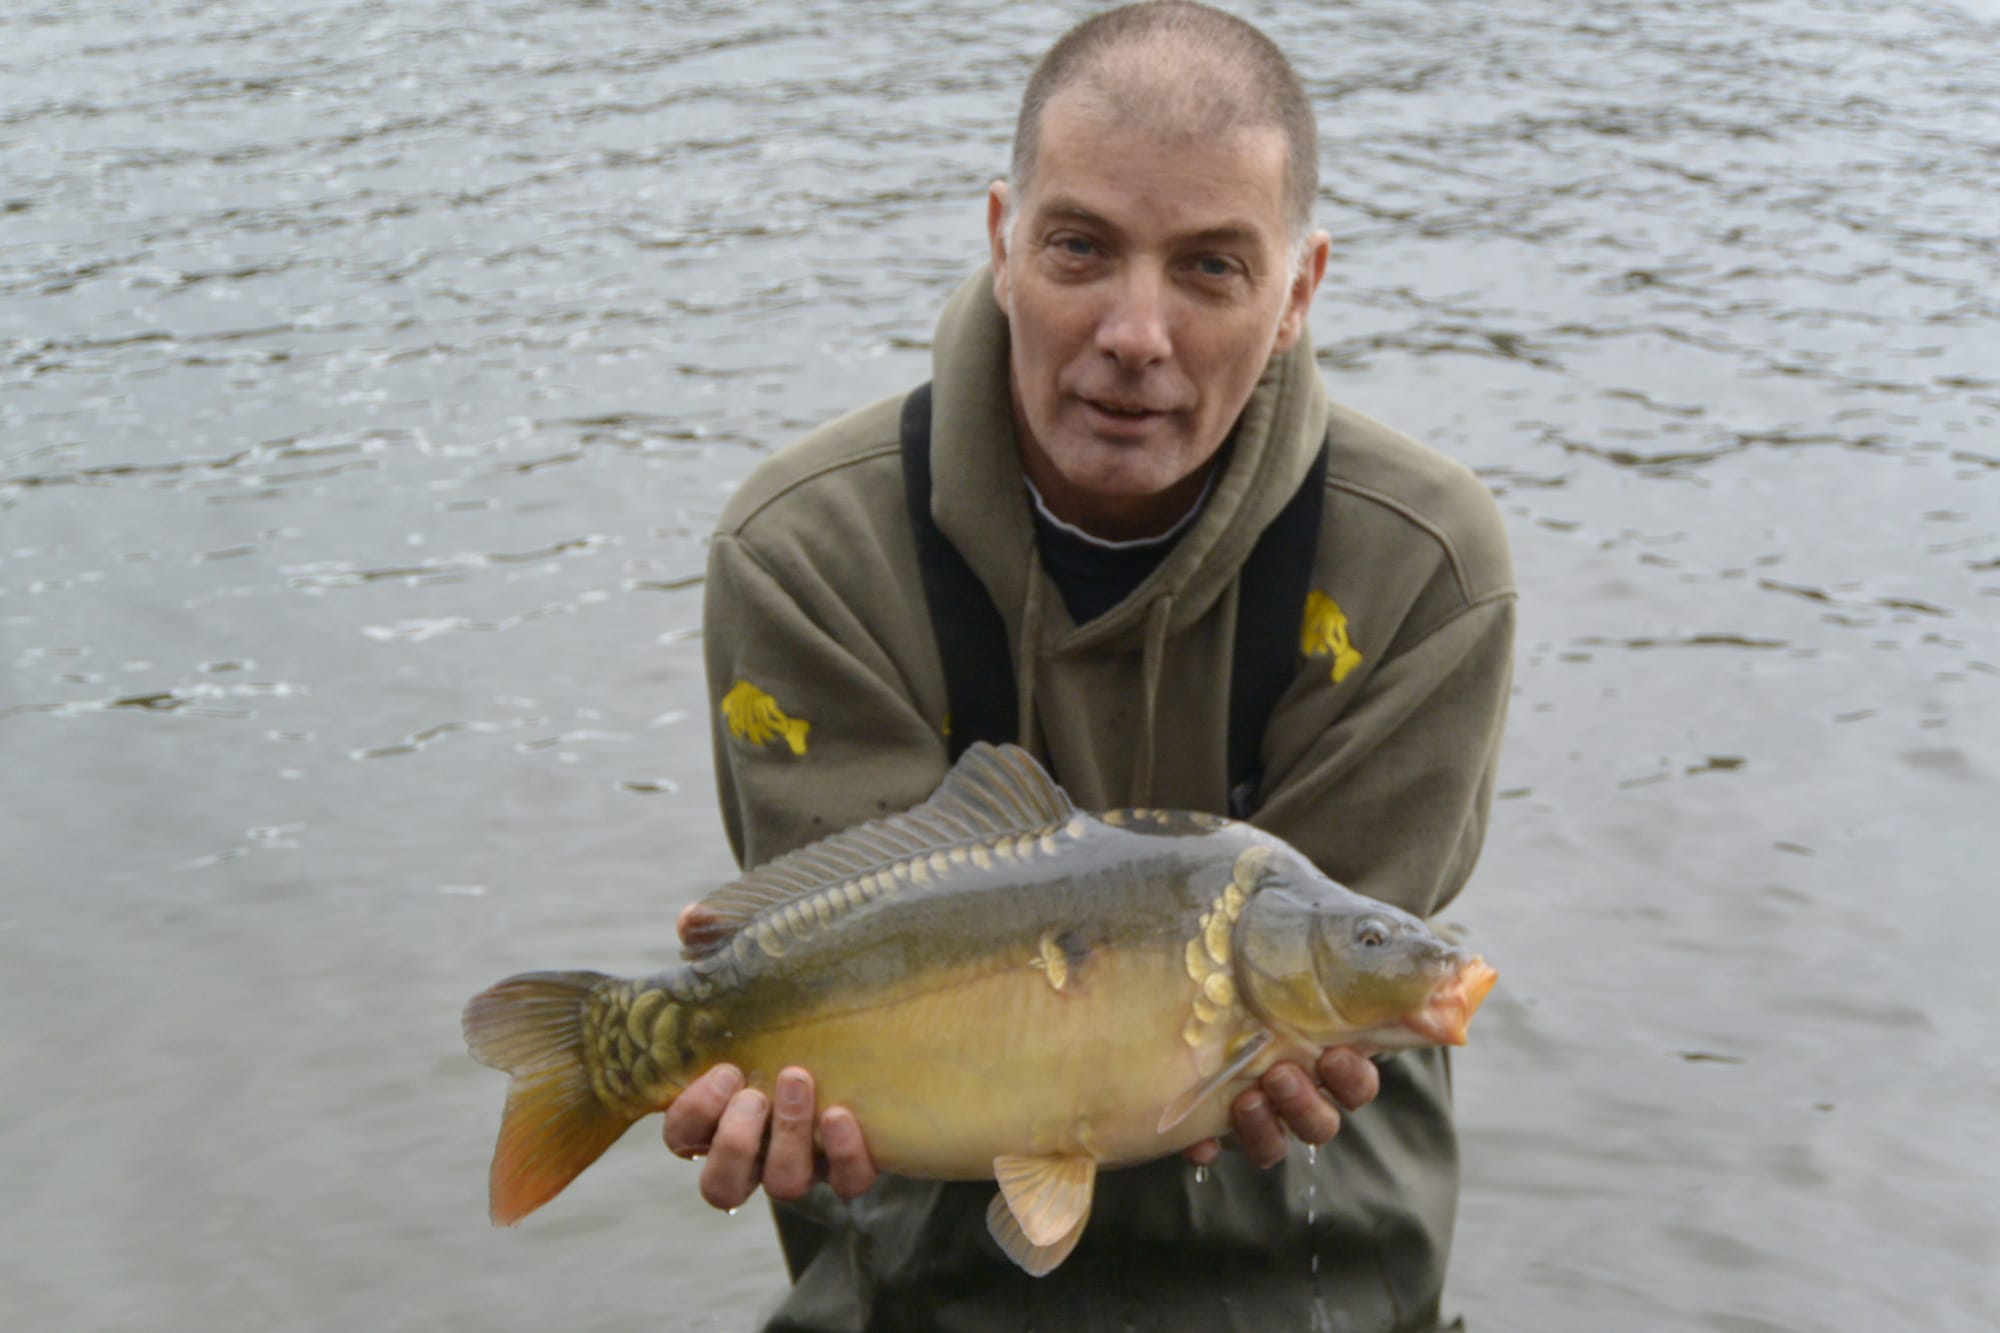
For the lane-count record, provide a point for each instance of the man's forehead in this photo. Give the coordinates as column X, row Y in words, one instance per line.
column 1167, row 109
column 1057, row 206
column 1220, row 185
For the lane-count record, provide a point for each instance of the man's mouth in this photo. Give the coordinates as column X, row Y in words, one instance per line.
column 1119, row 411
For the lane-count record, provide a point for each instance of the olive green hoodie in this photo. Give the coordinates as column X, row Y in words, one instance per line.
column 1378, row 763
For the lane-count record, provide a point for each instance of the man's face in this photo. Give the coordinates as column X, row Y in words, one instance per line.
column 1146, row 283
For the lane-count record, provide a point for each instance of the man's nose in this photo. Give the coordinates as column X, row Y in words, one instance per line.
column 1133, row 331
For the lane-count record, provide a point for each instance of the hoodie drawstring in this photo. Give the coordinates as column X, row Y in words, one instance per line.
column 1149, row 684
column 1151, row 663
column 1028, row 654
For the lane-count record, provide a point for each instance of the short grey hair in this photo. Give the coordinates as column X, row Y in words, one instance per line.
column 1258, row 86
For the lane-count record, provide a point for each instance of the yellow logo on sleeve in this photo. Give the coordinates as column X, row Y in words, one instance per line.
column 754, row 716
column 1324, row 634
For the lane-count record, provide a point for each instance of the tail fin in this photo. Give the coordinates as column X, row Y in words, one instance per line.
column 555, row 1124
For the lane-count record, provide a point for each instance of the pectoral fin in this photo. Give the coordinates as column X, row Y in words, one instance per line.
column 1038, row 1214
column 1183, row 1106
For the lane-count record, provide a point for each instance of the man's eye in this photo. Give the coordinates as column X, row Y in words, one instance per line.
column 1077, row 246
column 1214, row 266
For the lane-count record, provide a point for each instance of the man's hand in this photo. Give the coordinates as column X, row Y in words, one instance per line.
column 716, row 1117
column 1287, row 1097
column 720, row 1119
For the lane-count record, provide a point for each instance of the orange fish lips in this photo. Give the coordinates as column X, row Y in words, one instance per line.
column 1448, row 1012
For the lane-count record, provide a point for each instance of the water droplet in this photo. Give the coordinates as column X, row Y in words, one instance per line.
column 734, row 1211
column 1312, row 1154
column 1315, row 1263
column 1201, row 1175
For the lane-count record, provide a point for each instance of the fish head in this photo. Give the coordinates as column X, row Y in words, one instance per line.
column 1391, row 978
column 1330, row 967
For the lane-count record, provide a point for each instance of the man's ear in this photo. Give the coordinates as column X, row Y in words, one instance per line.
column 1298, row 300
column 996, row 239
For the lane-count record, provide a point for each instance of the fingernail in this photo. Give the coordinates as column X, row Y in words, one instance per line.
column 730, row 1078
column 1284, row 1083
column 1254, row 1104
column 792, row 1094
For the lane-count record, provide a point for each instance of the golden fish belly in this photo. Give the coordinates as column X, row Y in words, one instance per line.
column 988, row 1062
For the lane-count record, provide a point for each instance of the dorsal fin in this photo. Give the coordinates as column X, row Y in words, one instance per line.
column 991, row 790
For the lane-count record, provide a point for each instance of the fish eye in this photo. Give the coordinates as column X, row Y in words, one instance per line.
column 1371, row 932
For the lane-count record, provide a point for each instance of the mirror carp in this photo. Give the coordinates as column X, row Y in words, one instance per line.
column 999, row 986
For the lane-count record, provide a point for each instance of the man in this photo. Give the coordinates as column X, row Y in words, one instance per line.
column 1119, row 409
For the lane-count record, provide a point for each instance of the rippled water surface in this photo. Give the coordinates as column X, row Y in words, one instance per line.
column 371, row 373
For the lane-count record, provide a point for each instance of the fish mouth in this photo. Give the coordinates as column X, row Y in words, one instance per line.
column 1447, row 1014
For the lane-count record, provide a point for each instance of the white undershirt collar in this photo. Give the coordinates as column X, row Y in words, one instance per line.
column 1136, row 543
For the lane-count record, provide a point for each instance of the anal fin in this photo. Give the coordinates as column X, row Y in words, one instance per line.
column 1038, row 1214
column 1049, row 1196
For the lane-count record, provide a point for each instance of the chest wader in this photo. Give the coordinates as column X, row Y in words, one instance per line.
column 972, row 638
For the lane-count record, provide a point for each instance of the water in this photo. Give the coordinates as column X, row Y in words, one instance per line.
column 370, row 375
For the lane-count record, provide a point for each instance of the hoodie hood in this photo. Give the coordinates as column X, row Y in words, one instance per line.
column 980, row 503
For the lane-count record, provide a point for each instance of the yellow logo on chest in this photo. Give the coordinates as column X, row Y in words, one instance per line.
column 754, row 716
column 1324, row 634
